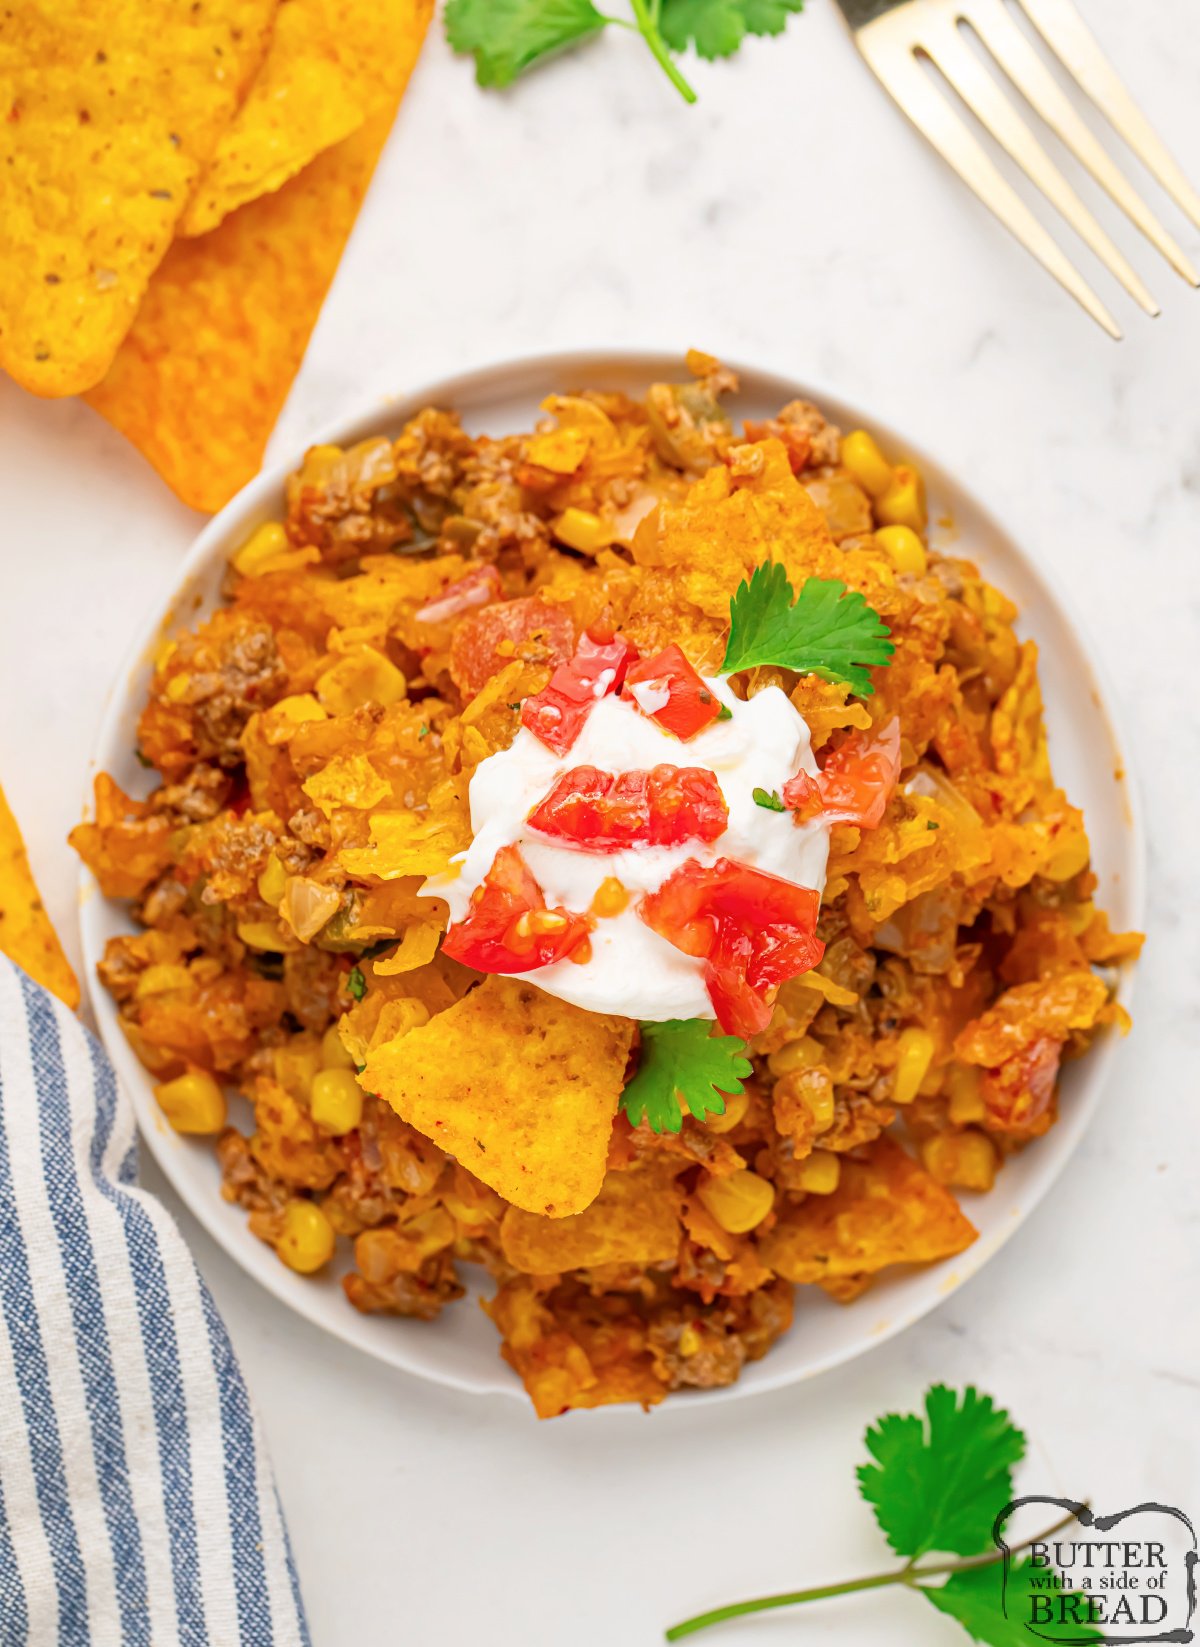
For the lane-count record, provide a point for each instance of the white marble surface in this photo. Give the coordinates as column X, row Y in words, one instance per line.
column 792, row 219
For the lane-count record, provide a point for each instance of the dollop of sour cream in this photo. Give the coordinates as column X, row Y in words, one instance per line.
column 632, row 971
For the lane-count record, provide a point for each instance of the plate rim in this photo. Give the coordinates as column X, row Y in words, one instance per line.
column 556, row 368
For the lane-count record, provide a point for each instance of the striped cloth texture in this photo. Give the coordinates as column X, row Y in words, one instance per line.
column 137, row 1503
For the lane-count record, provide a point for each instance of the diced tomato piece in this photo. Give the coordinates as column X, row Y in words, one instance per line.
column 488, row 639
column 796, row 443
column 669, row 690
column 606, row 812
column 1018, row 1093
column 508, row 927
column 753, row 930
column 556, row 713
column 480, row 587
column 855, row 783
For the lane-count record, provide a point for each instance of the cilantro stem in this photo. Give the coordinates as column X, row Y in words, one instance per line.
column 908, row 1574
column 646, row 16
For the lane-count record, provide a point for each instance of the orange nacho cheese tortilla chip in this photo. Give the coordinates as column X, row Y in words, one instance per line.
column 208, row 363
column 730, row 522
column 517, row 1086
column 26, row 935
column 886, row 1210
column 109, row 115
column 330, row 67
column 633, row 1220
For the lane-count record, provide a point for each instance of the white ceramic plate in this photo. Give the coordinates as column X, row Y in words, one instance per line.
column 461, row 1348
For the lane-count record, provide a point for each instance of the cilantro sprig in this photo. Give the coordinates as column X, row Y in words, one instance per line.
column 938, row 1482
column 506, row 37
column 681, row 1058
column 826, row 630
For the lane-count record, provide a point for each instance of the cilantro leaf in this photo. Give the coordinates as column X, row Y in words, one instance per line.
column 978, row 1598
column 508, row 36
column 828, row 630
column 769, row 16
column 356, row 982
column 681, row 1058
column 768, row 798
column 718, row 27
column 937, row 1482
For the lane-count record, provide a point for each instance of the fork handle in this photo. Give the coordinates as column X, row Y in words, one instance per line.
column 858, row 13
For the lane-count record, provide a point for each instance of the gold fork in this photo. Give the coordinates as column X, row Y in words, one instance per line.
column 894, row 35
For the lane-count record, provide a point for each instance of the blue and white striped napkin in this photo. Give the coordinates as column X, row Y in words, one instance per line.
column 137, row 1504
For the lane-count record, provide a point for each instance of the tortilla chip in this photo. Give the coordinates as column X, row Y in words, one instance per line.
column 417, row 948
column 111, row 113
column 328, row 70
column 885, row 1210
column 404, row 844
column 347, row 781
column 26, row 935
column 518, row 1087
column 633, row 1220
column 726, row 526
column 208, row 363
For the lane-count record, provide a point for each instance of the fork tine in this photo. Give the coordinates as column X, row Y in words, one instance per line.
column 1066, row 33
column 931, row 113
column 983, row 96
column 1029, row 74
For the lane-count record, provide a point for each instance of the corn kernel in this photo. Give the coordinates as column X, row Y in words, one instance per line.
column 739, row 1202
column 307, row 1239
column 820, row 1172
column 263, row 544
column 913, row 1059
column 261, row 935
column 473, row 1218
column 157, row 980
column 735, row 1108
column 192, row 1103
column 295, row 1065
column 866, row 463
column 580, row 529
column 364, row 676
column 806, row 1053
column 177, row 688
column 430, row 1231
column 966, row 1159
column 298, row 709
column 689, row 1341
column 336, row 1100
column 1080, row 917
column 333, row 1050
column 966, row 1099
column 272, row 882
column 903, row 504
column 611, row 898
column 1068, row 858
column 904, row 548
